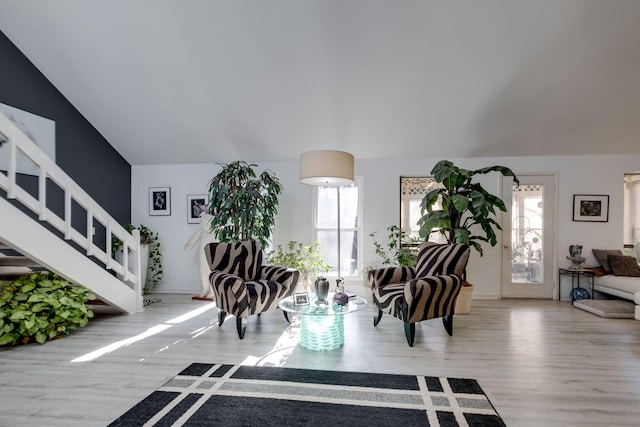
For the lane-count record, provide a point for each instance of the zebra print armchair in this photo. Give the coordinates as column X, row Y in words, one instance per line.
column 425, row 292
column 243, row 286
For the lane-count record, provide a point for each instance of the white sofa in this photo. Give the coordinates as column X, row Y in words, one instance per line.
column 621, row 286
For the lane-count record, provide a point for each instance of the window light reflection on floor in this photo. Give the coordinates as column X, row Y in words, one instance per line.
column 146, row 334
column 283, row 347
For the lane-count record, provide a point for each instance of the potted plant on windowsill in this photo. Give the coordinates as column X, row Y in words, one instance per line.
column 467, row 214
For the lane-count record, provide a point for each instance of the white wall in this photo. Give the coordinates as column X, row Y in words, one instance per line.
column 576, row 175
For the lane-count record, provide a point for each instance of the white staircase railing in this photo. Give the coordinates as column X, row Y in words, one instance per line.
column 19, row 146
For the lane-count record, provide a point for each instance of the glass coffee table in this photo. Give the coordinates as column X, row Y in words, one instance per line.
column 322, row 324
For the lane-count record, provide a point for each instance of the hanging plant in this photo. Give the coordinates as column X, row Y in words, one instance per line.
column 243, row 204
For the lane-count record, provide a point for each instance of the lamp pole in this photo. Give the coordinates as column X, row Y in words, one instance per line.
column 339, row 279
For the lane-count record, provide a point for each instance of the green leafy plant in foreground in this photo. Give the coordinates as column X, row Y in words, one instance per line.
column 40, row 307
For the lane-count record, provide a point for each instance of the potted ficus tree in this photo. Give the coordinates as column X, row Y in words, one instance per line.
column 243, row 204
column 466, row 214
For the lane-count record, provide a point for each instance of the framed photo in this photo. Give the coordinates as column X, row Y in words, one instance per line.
column 590, row 208
column 301, row 298
column 159, row 201
column 195, row 206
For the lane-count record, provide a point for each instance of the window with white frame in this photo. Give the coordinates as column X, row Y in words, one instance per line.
column 631, row 209
column 326, row 227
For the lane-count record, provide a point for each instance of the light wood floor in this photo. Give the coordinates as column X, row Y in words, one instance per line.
column 542, row 363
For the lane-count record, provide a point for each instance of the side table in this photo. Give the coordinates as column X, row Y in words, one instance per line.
column 322, row 324
column 575, row 279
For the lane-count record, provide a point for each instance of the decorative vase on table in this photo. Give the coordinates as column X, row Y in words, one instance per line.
column 322, row 289
column 576, row 258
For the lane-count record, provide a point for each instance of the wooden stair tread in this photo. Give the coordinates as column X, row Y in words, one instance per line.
column 17, row 261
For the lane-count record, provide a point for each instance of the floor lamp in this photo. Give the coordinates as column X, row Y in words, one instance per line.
column 328, row 168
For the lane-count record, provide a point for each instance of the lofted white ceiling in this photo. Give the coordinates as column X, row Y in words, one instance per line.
column 194, row 81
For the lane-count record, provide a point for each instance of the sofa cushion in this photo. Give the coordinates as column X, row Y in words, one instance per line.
column 599, row 271
column 624, row 285
column 624, row 265
column 602, row 254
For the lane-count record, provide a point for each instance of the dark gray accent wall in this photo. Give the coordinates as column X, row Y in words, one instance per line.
column 81, row 151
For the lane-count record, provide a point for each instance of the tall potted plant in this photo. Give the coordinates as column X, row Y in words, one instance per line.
column 466, row 215
column 243, row 204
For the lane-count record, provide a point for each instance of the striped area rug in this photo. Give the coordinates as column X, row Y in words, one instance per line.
column 206, row 394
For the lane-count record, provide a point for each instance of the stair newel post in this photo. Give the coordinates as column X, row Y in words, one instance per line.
column 137, row 268
column 108, row 250
column 89, row 231
column 67, row 210
column 42, row 192
column 11, row 169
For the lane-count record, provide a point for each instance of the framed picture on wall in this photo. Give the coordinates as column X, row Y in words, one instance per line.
column 196, row 204
column 590, row 208
column 159, row 201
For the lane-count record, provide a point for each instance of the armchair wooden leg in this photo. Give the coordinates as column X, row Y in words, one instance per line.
column 448, row 324
column 241, row 325
column 221, row 316
column 286, row 315
column 410, row 332
column 376, row 319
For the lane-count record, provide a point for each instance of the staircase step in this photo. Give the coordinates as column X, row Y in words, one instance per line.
column 10, row 277
column 17, row 261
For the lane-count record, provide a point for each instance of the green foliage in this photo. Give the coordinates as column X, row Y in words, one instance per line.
column 41, row 306
column 243, row 205
column 147, row 237
column 306, row 259
column 464, row 205
column 396, row 253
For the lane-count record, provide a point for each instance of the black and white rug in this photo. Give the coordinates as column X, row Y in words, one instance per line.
column 233, row 395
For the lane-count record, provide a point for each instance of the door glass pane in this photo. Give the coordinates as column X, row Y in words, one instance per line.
column 527, row 256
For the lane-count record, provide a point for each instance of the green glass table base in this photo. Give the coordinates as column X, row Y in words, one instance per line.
column 321, row 324
column 321, row 332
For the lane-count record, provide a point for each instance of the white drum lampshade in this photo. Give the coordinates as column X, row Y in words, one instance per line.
column 328, row 168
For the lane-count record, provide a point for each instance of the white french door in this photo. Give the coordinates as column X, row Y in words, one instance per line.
column 528, row 237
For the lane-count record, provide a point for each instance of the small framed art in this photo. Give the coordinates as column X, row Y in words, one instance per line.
column 196, row 204
column 159, row 201
column 301, row 298
column 590, row 208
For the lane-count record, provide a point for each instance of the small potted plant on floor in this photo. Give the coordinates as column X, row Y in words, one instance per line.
column 467, row 213
column 306, row 259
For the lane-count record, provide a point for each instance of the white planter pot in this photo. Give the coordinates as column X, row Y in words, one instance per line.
column 463, row 303
column 144, row 263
